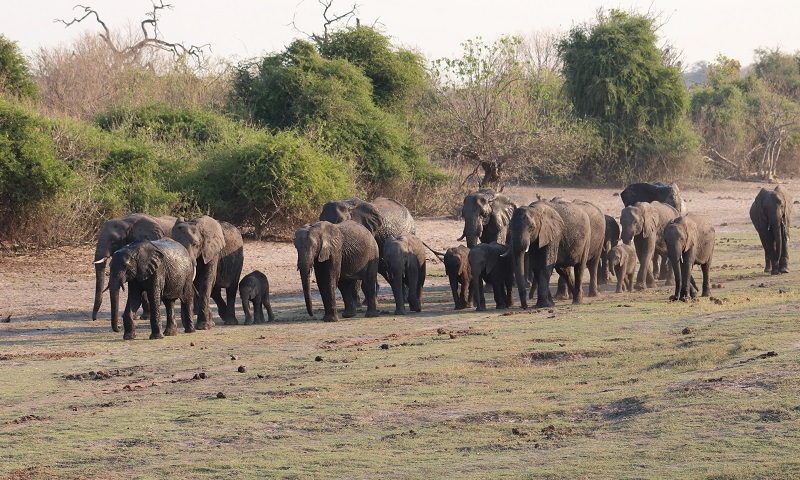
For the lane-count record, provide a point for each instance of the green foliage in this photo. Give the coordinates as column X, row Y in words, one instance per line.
column 266, row 176
column 30, row 172
column 15, row 76
column 780, row 70
column 163, row 123
column 614, row 74
column 330, row 100
column 396, row 74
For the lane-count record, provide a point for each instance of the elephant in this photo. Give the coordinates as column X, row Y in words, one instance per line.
column 622, row 261
column 404, row 257
column 643, row 223
column 771, row 215
column 340, row 255
column 487, row 263
column 597, row 223
column 612, row 239
column 487, row 216
column 118, row 232
column 228, row 274
column 218, row 250
column 654, row 192
column 254, row 288
column 456, row 265
column 383, row 217
column 163, row 270
column 690, row 242
column 549, row 235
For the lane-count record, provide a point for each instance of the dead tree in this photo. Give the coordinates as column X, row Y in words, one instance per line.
column 151, row 35
column 329, row 19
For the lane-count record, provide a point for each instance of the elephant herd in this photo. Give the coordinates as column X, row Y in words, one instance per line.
column 165, row 259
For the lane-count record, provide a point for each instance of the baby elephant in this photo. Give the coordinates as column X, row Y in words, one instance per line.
column 163, row 271
column 254, row 288
column 622, row 261
column 690, row 242
column 404, row 260
column 456, row 265
column 487, row 264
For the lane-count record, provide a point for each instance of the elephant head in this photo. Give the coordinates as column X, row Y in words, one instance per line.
column 476, row 211
column 674, row 198
column 537, row 226
column 202, row 237
column 138, row 261
column 352, row 209
column 115, row 234
column 637, row 219
column 317, row 242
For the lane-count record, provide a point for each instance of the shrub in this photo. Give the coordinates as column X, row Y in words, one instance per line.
column 30, row 172
column 15, row 76
column 269, row 181
column 163, row 123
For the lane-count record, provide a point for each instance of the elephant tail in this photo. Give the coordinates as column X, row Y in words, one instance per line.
column 438, row 254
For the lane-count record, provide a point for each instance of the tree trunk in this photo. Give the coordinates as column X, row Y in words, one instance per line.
column 491, row 175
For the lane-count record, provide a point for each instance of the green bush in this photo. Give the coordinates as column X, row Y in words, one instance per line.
column 30, row 172
column 15, row 76
column 267, row 177
column 164, row 123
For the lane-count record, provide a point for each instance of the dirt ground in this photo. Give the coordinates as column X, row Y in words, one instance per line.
column 43, row 284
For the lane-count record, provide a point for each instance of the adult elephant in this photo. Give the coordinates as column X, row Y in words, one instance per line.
column 643, row 223
column 549, row 235
column 597, row 237
column 214, row 247
column 771, row 214
column 690, row 242
column 487, row 216
column 341, row 255
column 612, row 239
column 118, row 232
column 383, row 217
column 654, row 192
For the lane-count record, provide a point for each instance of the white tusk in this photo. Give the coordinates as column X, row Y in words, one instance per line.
column 97, row 262
column 527, row 248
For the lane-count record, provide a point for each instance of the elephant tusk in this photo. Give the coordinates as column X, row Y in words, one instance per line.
column 102, row 260
column 527, row 248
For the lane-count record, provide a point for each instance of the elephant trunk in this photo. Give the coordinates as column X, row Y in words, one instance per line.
column 519, row 252
column 473, row 228
column 99, row 283
column 305, row 278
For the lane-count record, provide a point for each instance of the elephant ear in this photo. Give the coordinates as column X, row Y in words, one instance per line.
column 550, row 228
column 151, row 264
column 213, row 241
column 367, row 215
column 649, row 219
column 328, row 245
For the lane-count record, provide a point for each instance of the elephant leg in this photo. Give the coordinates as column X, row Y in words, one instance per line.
column 398, row 289
column 644, row 250
column 349, row 297
column 466, row 284
column 222, row 305
column 326, row 282
column 171, row 328
column 663, row 271
column 656, row 266
column 477, row 288
column 458, row 296
column 705, row 268
column 416, row 278
column 230, row 294
column 602, row 273
column 686, row 272
column 258, row 309
column 248, row 315
column 187, row 311
column 154, row 297
column 783, row 260
column 594, row 266
column 577, row 291
column 134, row 294
column 563, row 289
column 371, row 290
column 543, row 297
column 498, row 291
column 621, row 279
column 268, row 306
column 205, row 284
column 766, row 244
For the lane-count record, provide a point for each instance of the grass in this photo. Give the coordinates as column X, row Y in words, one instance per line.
column 609, row 389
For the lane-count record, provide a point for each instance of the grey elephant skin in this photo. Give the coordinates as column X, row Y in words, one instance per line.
column 622, row 261
column 163, row 271
column 612, row 239
column 771, row 214
column 340, row 255
column 118, row 232
column 597, row 225
column 488, row 263
column 404, row 257
column 487, row 216
column 218, row 250
column 254, row 290
column 383, row 217
column 456, row 266
column 643, row 223
column 690, row 242
column 654, row 192
column 549, row 235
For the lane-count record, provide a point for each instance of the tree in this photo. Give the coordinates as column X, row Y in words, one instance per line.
column 775, row 119
column 15, row 76
column 616, row 75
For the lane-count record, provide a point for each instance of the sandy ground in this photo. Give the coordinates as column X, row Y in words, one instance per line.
column 60, row 282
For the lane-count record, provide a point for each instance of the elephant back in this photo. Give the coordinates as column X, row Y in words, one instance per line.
column 597, row 222
column 396, row 220
column 653, row 192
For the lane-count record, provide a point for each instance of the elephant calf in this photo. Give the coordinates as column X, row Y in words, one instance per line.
column 690, row 241
column 487, row 263
column 163, row 270
column 254, row 288
column 456, row 265
column 622, row 261
column 611, row 241
column 404, row 259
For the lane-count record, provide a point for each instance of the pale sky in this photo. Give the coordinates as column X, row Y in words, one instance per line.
column 246, row 28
